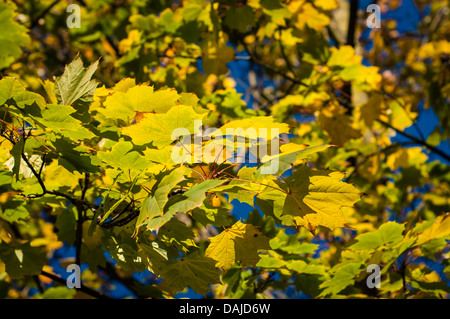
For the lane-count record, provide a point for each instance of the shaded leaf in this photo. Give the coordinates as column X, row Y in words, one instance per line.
column 239, row 243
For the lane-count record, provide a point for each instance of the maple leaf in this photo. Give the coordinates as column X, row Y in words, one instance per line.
column 59, row 119
column 190, row 200
column 306, row 14
column 153, row 205
column 388, row 234
column 138, row 100
column 291, row 154
column 153, row 256
column 75, row 83
column 315, row 198
column 12, row 88
column 194, row 270
column 13, row 35
column 337, row 125
column 160, row 129
column 122, row 156
column 439, row 228
column 264, row 126
column 216, row 54
column 239, row 243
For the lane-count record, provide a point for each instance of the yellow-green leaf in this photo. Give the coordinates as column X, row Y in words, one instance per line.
column 316, row 198
column 239, row 243
column 162, row 129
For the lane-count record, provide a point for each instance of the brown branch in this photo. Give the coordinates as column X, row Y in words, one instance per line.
column 417, row 140
column 368, row 156
column 79, row 236
column 353, row 18
column 83, row 288
column 43, row 13
column 255, row 59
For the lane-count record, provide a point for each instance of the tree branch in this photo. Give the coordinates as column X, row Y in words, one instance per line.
column 353, row 17
column 256, row 60
column 43, row 13
column 83, row 288
column 79, row 236
column 417, row 140
column 368, row 156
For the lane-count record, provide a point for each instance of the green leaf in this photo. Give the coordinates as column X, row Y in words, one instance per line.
column 153, row 256
column 12, row 88
column 270, row 262
column 123, row 157
column 58, row 118
column 191, row 199
column 22, row 260
column 16, row 152
column 75, row 157
column 75, row 83
column 388, row 234
column 302, row 267
column 14, row 211
column 125, row 253
column 239, row 18
column 439, row 287
column 112, row 208
column 343, row 276
column 195, row 196
column 176, row 233
column 195, row 271
column 58, row 293
column 66, row 224
column 291, row 244
column 153, row 206
column 216, row 53
column 13, row 36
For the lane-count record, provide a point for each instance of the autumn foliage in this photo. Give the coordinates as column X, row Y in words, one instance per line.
column 90, row 118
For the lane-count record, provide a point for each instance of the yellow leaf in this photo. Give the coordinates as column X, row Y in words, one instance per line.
column 404, row 158
column 440, row 228
column 372, row 109
column 138, row 100
column 326, row 4
column 400, row 114
column 161, row 129
column 309, row 16
column 344, row 56
column 50, row 239
column 125, row 45
column 216, row 54
column 315, row 198
column 239, row 243
column 337, row 125
column 56, row 176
